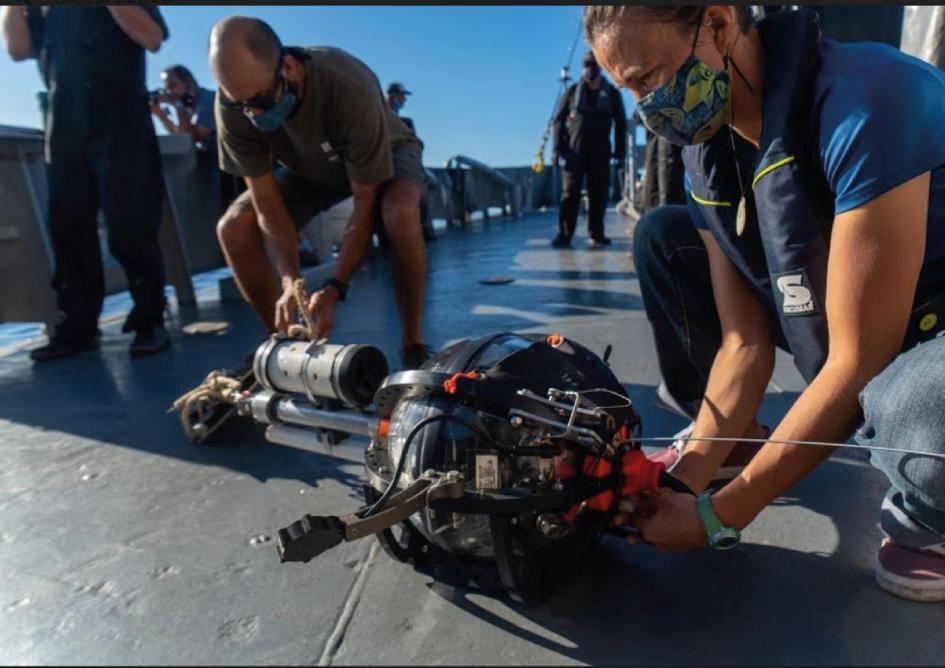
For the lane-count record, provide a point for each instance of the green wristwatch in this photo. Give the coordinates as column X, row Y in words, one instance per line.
column 721, row 537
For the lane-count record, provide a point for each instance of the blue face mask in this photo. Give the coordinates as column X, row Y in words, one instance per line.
column 273, row 118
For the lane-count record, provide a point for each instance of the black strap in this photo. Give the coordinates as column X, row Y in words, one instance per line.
column 339, row 285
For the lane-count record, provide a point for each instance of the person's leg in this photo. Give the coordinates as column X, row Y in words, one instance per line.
column 571, row 178
column 902, row 408
column 598, row 185
column 426, row 222
column 243, row 245
column 400, row 213
column 673, row 267
column 72, row 224
column 245, row 253
column 125, row 157
column 649, row 189
column 670, row 173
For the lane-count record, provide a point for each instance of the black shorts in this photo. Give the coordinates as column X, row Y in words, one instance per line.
column 304, row 200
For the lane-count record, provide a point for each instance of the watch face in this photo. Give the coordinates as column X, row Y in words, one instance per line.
column 725, row 540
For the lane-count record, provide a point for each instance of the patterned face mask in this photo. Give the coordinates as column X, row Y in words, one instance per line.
column 690, row 107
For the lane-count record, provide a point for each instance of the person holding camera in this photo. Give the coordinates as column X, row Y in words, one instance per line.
column 583, row 121
column 101, row 151
column 193, row 106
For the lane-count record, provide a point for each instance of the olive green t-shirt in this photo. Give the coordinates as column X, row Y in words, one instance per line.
column 343, row 129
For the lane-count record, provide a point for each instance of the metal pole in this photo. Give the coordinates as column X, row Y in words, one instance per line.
column 270, row 408
column 307, row 440
column 292, row 411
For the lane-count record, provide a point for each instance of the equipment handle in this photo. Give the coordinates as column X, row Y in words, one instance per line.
column 674, row 483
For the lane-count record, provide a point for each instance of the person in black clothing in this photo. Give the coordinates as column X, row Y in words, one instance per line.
column 100, row 151
column 583, row 122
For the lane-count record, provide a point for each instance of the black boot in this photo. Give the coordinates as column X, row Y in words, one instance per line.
column 414, row 355
column 60, row 346
column 560, row 242
column 149, row 339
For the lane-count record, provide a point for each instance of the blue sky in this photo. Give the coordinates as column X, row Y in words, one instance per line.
column 484, row 78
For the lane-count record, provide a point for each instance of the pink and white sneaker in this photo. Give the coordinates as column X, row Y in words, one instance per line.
column 915, row 574
column 669, row 456
column 734, row 464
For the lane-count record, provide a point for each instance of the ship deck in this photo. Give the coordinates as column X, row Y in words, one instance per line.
column 122, row 543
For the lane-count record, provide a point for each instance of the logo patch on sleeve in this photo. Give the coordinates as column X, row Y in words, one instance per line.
column 795, row 294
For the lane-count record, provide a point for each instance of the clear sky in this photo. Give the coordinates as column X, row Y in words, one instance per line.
column 484, row 79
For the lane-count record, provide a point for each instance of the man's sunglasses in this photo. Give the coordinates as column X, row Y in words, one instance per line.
column 261, row 101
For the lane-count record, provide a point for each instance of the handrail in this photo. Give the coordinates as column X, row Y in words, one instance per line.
column 459, row 161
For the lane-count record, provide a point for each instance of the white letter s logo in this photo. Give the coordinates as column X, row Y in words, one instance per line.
column 797, row 298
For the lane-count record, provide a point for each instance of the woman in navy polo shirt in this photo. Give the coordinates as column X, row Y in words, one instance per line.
column 815, row 222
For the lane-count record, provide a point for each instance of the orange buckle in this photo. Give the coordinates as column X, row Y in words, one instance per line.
column 450, row 385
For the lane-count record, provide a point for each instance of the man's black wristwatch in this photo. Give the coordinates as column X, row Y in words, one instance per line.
column 338, row 285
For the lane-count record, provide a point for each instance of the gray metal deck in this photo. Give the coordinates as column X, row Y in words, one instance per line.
column 122, row 543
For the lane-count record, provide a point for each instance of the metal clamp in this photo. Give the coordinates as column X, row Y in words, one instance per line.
column 567, row 430
column 310, row 536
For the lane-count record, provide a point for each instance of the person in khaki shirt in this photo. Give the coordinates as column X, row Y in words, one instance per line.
column 321, row 114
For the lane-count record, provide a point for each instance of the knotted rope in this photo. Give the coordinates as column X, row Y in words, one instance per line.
column 199, row 404
column 306, row 331
column 203, row 403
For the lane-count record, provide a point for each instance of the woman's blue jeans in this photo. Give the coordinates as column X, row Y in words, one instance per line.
column 903, row 407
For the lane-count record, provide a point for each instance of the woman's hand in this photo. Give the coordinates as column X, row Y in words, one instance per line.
column 669, row 521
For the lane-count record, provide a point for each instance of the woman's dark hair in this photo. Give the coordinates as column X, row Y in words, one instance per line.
column 600, row 19
column 181, row 73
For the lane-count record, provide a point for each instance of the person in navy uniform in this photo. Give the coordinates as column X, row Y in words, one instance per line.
column 815, row 222
column 101, row 151
column 584, row 118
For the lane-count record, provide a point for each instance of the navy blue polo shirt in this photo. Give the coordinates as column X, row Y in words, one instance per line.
column 877, row 120
column 81, row 47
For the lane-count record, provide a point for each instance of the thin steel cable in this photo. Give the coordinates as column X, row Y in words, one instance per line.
column 784, row 441
column 821, row 444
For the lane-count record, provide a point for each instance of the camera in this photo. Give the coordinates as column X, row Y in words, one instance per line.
column 494, row 466
column 187, row 100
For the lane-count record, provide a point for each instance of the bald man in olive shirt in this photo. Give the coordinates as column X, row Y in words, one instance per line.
column 321, row 114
